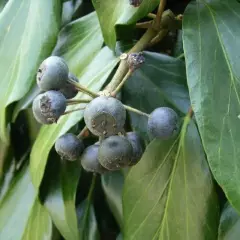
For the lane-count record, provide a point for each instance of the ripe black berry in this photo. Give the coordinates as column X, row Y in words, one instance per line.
column 115, row 152
column 105, row 116
column 89, row 160
column 52, row 74
column 69, row 147
column 137, row 145
column 163, row 123
column 69, row 91
column 48, row 107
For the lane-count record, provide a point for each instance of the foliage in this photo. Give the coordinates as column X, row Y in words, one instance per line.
column 186, row 187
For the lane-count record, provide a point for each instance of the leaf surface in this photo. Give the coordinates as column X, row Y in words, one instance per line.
column 119, row 12
column 112, row 184
column 28, row 33
column 21, row 212
column 229, row 227
column 60, row 199
column 88, row 230
column 170, row 194
column 210, row 35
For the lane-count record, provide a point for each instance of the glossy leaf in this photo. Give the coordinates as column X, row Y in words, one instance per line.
column 81, row 49
column 88, row 230
column 119, row 12
column 112, row 184
column 22, row 216
column 39, row 219
column 60, row 200
column 170, row 194
column 210, row 41
column 23, row 23
column 26, row 101
column 69, row 9
column 229, row 227
column 160, row 81
column 2, row 4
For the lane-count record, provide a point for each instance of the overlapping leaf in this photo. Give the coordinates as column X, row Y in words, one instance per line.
column 22, row 216
column 2, row 4
column 28, row 33
column 210, row 34
column 169, row 194
column 160, row 81
column 229, row 227
column 80, row 44
column 118, row 12
column 87, row 223
column 61, row 182
column 112, row 184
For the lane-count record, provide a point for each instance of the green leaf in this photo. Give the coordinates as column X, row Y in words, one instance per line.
column 119, row 12
column 112, row 184
column 26, row 101
column 229, row 227
column 210, row 38
column 88, row 230
column 2, row 4
column 39, row 218
column 28, row 32
column 81, row 49
column 69, row 9
column 160, row 81
column 21, row 214
column 60, row 199
column 170, row 194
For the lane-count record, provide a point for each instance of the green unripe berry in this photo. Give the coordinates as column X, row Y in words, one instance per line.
column 89, row 160
column 49, row 106
column 163, row 123
column 137, row 145
column 69, row 147
column 105, row 116
column 69, row 91
column 115, row 152
column 52, row 74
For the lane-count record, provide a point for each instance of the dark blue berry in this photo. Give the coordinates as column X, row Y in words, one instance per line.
column 69, row 147
column 52, row 74
column 115, row 152
column 163, row 123
column 49, row 106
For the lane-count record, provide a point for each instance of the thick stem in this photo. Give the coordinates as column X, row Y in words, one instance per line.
column 152, row 15
column 83, row 89
column 158, row 38
column 144, row 24
column 123, row 67
column 118, row 88
column 131, row 109
column 160, row 11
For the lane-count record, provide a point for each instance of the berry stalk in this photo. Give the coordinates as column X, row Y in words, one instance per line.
column 83, row 89
column 77, row 101
column 126, row 77
column 143, row 42
column 74, row 110
column 131, row 109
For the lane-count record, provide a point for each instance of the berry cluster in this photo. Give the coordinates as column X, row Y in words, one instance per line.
column 52, row 78
column 104, row 117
